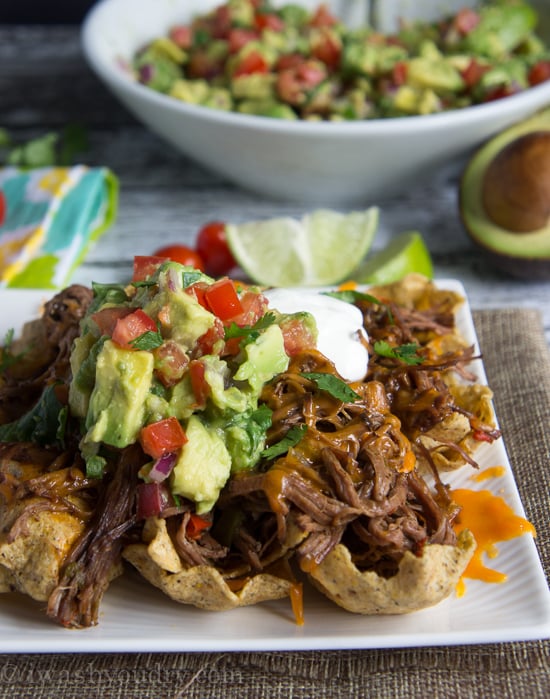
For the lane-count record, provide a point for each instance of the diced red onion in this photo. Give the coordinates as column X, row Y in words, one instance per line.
column 146, row 73
column 152, row 499
column 174, row 281
column 162, row 467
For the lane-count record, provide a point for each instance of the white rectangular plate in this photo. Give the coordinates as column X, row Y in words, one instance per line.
column 136, row 617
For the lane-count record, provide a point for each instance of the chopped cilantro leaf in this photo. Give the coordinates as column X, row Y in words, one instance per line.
column 43, row 424
column 191, row 278
column 332, row 384
column 407, row 353
column 352, row 296
column 292, row 437
column 250, row 333
column 149, row 340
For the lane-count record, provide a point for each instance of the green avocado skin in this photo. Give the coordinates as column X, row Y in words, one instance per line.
column 523, row 255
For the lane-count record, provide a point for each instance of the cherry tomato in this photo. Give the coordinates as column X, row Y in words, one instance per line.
column 212, row 247
column 3, row 207
column 183, row 255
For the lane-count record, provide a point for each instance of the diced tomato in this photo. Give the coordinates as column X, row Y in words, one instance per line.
column 254, row 306
column 223, row 300
column 152, row 499
column 269, row 20
column 466, row 20
column 253, row 62
column 322, row 17
column 145, row 266
column 208, row 342
column 327, row 48
column 399, row 73
column 201, row 389
column 294, row 84
column 196, row 525
column 499, row 93
column 232, row 347
column 204, row 65
column 297, row 336
column 162, row 437
column 198, row 290
column 171, row 363
column 288, row 61
column 482, row 436
column 3, row 207
column 131, row 327
column 182, row 35
column 239, row 37
column 182, row 254
column 213, row 248
column 539, row 73
column 107, row 318
column 473, row 73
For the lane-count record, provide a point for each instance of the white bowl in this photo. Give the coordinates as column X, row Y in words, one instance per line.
column 334, row 163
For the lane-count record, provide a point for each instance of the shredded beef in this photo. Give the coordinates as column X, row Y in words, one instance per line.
column 92, row 562
column 44, row 350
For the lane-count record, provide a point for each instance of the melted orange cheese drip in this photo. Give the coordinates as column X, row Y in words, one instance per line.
column 297, row 602
column 486, row 474
column 491, row 520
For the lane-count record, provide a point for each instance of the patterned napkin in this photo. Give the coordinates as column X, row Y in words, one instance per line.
column 53, row 214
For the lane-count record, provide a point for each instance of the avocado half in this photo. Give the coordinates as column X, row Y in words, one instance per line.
column 505, row 198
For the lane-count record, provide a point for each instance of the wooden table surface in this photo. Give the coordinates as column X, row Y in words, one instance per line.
column 45, row 83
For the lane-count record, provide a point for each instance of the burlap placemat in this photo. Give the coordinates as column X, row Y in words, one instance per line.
column 517, row 363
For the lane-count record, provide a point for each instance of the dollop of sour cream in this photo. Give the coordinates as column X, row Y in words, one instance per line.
column 339, row 325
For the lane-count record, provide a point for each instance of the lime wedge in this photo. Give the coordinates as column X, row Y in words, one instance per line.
column 322, row 248
column 405, row 254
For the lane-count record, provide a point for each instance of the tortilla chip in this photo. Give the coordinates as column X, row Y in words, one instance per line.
column 418, row 292
column 204, row 586
column 456, row 428
column 31, row 563
column 476, row 399
column 420, row 582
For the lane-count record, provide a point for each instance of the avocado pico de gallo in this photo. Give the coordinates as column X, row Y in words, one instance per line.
column 176, row 362
column 251, row 57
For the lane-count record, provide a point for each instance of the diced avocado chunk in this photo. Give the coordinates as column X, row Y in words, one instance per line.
column 216, row 373
column 411, row 100
column 254, row 86
column 83, row 360
column 184, row 319
column 245, row 437
column 157, row 70
column 192, row 91
column 203, row 466
column 501, row 29
column 437, row 74
column 219, row 98
column 164, row 45
column 265, row 358
column 182, row 402
column 268, row 108
column 117, row 404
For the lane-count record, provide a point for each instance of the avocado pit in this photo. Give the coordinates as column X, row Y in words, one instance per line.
column 504, row 198
column 516, row 184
